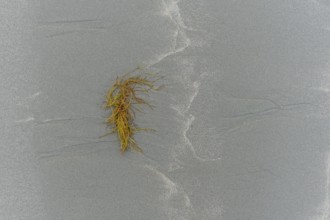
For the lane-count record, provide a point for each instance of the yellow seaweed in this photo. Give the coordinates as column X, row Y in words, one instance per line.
column 122, row 99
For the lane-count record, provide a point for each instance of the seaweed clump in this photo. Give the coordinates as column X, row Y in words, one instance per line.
column 122, row 99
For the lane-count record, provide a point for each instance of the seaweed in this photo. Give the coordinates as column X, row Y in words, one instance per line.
column 122, row 100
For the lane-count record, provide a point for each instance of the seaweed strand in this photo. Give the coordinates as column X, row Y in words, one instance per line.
column 121, row 99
